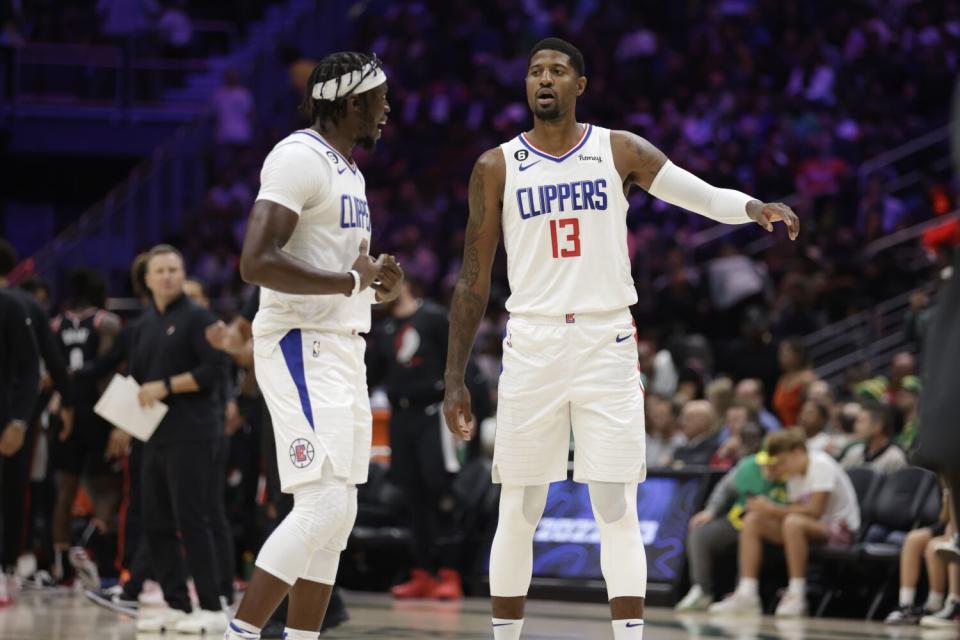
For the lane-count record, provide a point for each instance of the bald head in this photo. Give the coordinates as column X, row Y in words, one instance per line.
column 697, row 419
column 749, row 392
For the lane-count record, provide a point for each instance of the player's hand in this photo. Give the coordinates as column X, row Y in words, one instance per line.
column 117, row 445
column 700, row 519
column 150, row 392
column 66, row 416
column 457, row 412
column 222, row 338
column 766, row 213
column 11, row 440
column 391, row 276
column 367, row 267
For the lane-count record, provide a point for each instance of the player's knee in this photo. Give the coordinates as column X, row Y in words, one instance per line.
column 322, row 512
column 609, row 501
column 522, row 506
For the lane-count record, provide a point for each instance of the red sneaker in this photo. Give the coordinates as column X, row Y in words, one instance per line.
column 449, row 586
column 421, row 585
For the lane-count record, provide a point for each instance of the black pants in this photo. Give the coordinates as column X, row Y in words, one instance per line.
column 178, row 495
column 15, row 484
column 222, row 530
column 417, row 466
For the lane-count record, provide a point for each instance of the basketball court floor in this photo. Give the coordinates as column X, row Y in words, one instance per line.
column 65, row 615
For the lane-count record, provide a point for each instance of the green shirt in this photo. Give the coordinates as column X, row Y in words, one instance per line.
column 749, row 481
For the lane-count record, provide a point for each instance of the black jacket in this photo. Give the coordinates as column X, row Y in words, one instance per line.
column 48, row 344
column 164, row 345
column 19, row 362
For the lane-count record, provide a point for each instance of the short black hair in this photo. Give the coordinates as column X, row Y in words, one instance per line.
column 8, row 257
column 332, row 67
column 87, row 288
column 558, row 44
column 882, row 414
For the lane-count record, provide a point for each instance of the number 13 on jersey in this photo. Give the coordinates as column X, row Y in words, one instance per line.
column 565, row 237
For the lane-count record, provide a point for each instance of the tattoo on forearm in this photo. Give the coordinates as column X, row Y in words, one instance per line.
column 468, row 304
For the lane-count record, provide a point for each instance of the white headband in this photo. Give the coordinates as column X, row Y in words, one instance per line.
column 349, row 83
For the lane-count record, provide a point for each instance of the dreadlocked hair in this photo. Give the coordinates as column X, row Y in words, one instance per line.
column 332, row 67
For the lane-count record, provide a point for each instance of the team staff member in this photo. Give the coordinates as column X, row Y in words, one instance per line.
column 406, row 355
column 172, row 361
column 19, row 385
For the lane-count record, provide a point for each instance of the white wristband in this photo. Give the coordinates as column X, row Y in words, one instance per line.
column 356, row 282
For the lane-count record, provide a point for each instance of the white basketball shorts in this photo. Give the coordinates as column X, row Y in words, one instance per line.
column 570, row 371
column 315, row 386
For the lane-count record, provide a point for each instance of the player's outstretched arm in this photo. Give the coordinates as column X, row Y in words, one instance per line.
column 264, row 262
column 644, row 165
column 472, row 290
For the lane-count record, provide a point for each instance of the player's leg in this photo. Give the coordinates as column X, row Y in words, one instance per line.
column 623, row 560
column 68, row 455
column 305, row 547
column 531, row 451
column 607, row 413
column 798, row 532
column 104, row 480
column 511, row 555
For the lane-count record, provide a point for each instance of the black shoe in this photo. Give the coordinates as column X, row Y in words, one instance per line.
column 908, row 615
column 273, row 629
column 114, row 599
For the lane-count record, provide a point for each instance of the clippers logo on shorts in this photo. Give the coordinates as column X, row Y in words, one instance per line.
column 301, row 453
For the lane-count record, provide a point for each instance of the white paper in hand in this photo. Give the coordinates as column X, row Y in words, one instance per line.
column 120, row 407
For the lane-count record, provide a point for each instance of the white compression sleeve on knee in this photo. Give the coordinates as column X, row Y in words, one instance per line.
column 623, row 559
column 318, row 516
column 511, row 556
column 323, row 564
column 681, row 188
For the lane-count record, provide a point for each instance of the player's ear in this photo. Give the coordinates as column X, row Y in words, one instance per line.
column 581, row 85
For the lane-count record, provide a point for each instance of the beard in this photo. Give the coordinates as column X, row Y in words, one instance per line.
column 366, row 142
column 550, row 113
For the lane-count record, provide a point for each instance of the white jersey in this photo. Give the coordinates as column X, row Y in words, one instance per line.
column 306, row 175
column 564, row 228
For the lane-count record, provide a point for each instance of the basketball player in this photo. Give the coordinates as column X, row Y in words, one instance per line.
column 306, row 229
column 559, row 194
column 92, row 449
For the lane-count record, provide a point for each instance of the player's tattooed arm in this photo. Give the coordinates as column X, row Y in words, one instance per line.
column 472, row 290
column 264, row 262
column 637, row 160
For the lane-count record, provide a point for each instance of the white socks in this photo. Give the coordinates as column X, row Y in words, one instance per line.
column 507, row 629
column 797, row 586
column 907, row 596
column 297, row 634
column 630, row 629
column 240, row 630
column 749, row 587
column 934, row 601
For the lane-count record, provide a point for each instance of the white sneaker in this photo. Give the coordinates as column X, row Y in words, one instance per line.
column 695, row 600
column 85, row 567
column 151, row 595
column 792, row 605
column 737, row 604
column 946, row 618
column 161, row 621
column 202, row 622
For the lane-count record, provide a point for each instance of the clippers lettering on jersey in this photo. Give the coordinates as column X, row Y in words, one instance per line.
column 354, row 213
column 584, row 195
